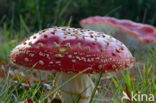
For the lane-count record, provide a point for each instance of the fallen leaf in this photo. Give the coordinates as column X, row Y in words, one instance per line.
column 30, row 100
column 2, row 61
column 2, row 73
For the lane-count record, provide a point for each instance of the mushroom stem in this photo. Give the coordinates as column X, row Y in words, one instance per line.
column 78, row 90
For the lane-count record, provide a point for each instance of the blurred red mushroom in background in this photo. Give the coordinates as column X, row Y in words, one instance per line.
column 73, row 52
column 133, row 35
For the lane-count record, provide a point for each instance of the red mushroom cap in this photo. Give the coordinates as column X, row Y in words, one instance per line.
column 72, row 50
column 143, row 32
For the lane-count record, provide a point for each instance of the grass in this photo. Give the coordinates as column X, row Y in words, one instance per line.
column 140, row 78
column 143, row 81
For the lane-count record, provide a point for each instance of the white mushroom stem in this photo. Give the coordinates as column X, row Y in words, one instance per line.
column 77, row 90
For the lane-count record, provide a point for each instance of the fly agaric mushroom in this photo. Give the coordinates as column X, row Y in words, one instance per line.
column 134, row 35
column 69, row 51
